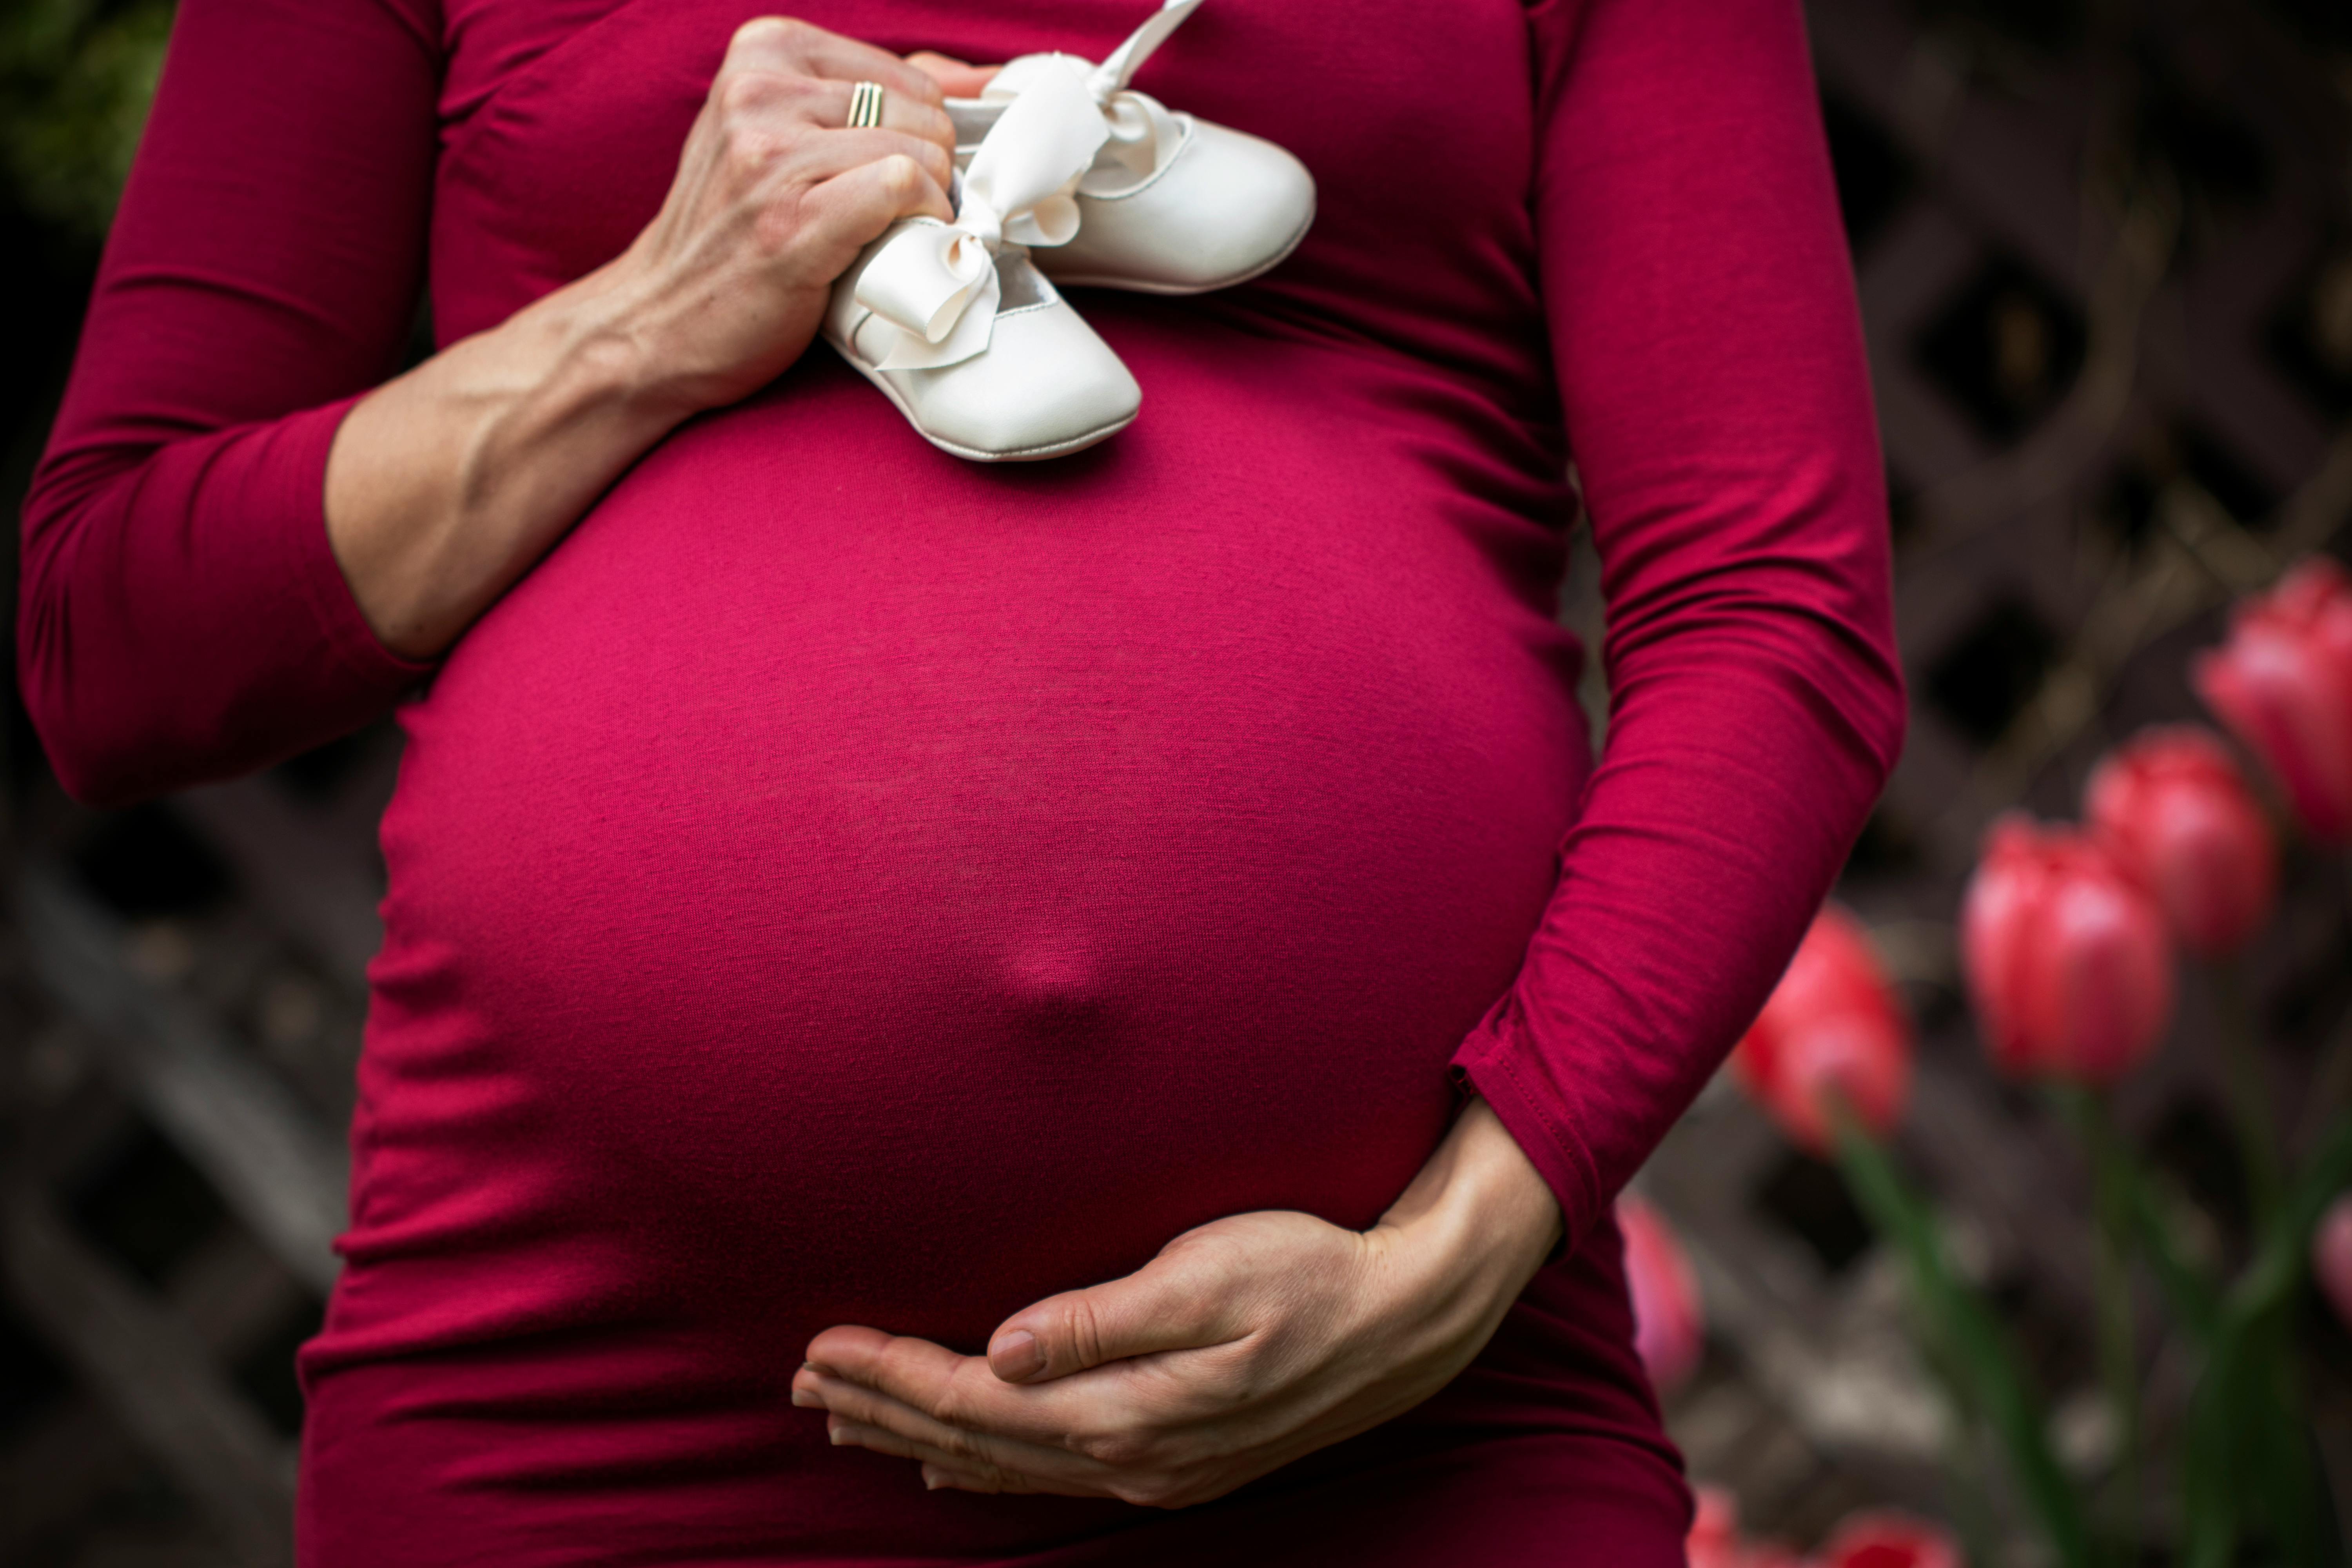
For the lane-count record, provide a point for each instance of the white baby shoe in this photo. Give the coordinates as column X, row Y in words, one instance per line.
column 956, row 326
column 1172, row 204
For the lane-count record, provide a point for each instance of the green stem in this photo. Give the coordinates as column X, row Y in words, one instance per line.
column 2249, row 1101
column 1968, row 1339
column 2117, row 1358
column 2334, row 1080
column 2125, row 1209
column 2191, row 1290
column 2245, row 1453
column 2329, row 1087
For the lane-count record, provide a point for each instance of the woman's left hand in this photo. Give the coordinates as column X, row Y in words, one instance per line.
column 1246, row 1343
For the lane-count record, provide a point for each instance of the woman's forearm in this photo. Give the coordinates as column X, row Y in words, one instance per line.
column 447, row 484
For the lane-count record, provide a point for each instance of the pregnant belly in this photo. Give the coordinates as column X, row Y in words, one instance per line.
column 831, row 897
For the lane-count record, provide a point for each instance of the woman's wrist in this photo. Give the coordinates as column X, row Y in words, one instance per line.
column 1479, row 1212
column 595, row 354
column 621, row 328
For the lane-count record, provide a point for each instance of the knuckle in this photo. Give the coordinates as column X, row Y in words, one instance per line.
column 950, row 1403
column 1119, row 1448
column 743, row 93
column 1083, row 1325
column 771, row 30
column 751, row 150
column 901, row 175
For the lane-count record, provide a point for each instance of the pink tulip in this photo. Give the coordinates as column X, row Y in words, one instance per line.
column 2067, row 957
column 1669, row 1329
column 2173, row 807
column 1889, row 1540
column 2282, row 683
column 2331, row 1257
column 1715, row 1541
column 1833, row 1024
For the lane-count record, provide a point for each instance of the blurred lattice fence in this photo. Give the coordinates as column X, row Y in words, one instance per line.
column 2105, row 258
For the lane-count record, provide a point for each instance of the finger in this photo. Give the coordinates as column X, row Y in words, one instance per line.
column 828, row 105
column 786, row 43
column 956, row 78
column 816, row 159
column 1182, row 1299
column 963, row 1474
column 939, row 1476
column 757, row 96
column 960, row 1392
column 852, row 208
column 944, row 1471
column 850, row 1406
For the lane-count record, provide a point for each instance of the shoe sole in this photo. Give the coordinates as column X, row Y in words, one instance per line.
column 974, row 454
column 1170, row 290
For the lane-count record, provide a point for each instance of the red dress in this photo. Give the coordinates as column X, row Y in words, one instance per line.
column 845, row 884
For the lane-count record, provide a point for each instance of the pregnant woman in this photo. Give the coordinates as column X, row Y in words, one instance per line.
column 1085, row 1013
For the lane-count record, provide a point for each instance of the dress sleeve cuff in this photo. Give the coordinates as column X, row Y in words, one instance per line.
column 1498, row 1061
column 300, row 466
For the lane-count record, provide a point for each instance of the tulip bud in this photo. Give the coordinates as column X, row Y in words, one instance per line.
column 1889, row 1540
column 1669, row 1327
column 1833, row 1025
column 2066, row 954
column 2175, row 811
column 2282, row 683
column 2331, row 1257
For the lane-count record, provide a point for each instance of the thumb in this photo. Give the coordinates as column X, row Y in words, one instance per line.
column 1178, row 1301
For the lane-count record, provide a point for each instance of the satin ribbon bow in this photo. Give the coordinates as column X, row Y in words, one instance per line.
column 936, row 282
column 1143, row 135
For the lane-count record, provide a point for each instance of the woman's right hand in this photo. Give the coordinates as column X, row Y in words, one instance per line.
column 447, row 484
column 773, row 200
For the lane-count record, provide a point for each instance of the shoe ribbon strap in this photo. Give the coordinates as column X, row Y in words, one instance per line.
column 1143, row 135
column 936, row 282
column 1120, row 66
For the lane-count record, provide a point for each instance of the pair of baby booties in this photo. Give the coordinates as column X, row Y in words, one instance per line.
column 1063, row 174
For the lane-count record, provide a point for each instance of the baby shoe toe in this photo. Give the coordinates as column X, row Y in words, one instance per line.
column 1226, row 208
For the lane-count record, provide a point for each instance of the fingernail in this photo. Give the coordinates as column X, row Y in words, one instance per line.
column 1017, row 1355
column 833, row 1434
column 932, row 1481
column 805, row 1400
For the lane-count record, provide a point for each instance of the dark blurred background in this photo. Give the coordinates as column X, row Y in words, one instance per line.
column 2105, row 260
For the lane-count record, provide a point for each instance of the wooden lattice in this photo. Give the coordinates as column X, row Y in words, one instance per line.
column 2110, row 400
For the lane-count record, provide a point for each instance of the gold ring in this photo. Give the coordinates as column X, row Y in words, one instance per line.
column 865, row 106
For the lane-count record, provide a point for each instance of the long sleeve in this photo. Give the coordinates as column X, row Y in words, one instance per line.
column 181, row 617
column 1708, row 348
